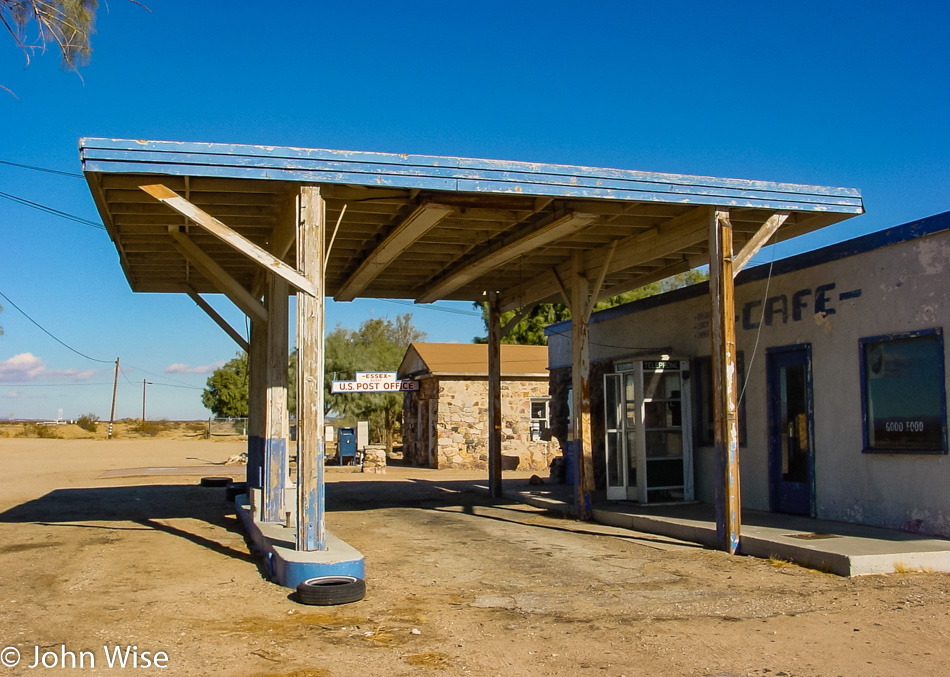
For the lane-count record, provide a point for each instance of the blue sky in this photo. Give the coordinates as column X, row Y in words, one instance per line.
column 840, row 94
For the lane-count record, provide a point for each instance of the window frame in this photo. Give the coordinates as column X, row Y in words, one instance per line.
column 545, row 428
column 866, row 448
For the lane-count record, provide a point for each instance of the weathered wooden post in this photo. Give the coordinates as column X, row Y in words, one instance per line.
column 311, row 450
column 726, row 429
column 494, row 396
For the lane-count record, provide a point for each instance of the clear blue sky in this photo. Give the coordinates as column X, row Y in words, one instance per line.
column 830, row 93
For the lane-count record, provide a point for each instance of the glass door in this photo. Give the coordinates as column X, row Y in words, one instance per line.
column 649, row 448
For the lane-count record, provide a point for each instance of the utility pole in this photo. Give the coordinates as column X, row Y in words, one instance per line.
column 115, row 386
column 144, row 383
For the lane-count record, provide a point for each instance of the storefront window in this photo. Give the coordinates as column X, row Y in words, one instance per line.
column 904, row 398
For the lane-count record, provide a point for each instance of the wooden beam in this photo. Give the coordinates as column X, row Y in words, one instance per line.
column 311, row 446
column 513, row 322
column 281, row 239
column 217, row 276
column 685, row 230
column 600, row 278
column 230, row 237
column 580, row 390
column 561, row 288
column 494, row 396
column 757, row 241
column 725, row 423
column 413, row 227
column 275, row 407
column 220, row 321
column 554, row 229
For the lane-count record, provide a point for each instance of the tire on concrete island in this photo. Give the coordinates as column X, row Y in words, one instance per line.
column 331, row 590
column 234, row 490
column 216, row 481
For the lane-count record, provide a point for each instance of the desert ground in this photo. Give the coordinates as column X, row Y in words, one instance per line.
column 457, row 584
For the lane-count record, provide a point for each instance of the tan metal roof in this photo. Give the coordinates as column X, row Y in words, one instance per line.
column 471, row 359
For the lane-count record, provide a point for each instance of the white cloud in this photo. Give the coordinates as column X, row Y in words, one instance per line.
column 12, row 395
column 179, row 368
column 21, row 368
column 69, row 374
column 28, row 367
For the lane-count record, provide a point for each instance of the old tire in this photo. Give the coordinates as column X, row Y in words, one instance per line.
column 331, row 590
column 216, row 481
column 234, row 490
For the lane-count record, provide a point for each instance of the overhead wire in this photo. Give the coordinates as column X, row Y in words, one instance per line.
column 41, row 169
column 48, row 333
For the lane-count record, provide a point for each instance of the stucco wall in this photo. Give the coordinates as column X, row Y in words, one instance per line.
column 461, row 426
column 893, row 289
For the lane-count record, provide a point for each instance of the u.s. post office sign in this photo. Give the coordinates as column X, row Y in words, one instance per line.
column 373, row 386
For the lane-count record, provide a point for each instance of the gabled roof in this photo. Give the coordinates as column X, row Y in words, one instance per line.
column 425, row 227
column 471, row 359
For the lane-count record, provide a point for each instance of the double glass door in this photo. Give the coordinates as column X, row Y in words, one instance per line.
column 649, row 447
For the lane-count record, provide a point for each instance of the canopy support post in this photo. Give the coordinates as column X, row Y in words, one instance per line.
column 256, row 397
column 726, row 429
column 276, row 424
column 494, row 396
column 311, row 449
column 580, row 389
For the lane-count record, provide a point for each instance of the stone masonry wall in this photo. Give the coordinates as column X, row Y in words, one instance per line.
column 462, row 426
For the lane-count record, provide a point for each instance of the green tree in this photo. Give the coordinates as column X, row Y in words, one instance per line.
column 225, row 391
column 378, row 345
column 530, row 331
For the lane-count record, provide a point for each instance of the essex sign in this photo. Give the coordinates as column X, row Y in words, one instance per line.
column 374, row 382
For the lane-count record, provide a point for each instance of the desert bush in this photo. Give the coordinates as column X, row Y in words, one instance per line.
column 151, row 428
column 42, row 431
column 88, row 422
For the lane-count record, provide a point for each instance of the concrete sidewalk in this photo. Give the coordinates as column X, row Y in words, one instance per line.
column 837, row 547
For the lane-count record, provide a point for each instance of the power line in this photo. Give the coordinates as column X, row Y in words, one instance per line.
column 45, row 331
column 41, row 169
column 424, row 306
column 51, row 210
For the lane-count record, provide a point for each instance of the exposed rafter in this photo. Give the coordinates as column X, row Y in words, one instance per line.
column 558, row 227
column 230, row 237
column 220, row 321
column 414, row 226
column 217, row 276
column 683, row 231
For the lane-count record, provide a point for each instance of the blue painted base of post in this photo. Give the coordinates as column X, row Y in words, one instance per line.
column 289, row 567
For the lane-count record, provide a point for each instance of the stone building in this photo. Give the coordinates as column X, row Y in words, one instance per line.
column 445, row 422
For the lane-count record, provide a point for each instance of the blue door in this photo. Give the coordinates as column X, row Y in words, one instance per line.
column 791, row 447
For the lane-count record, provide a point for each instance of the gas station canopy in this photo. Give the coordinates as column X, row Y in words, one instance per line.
column 427, row 227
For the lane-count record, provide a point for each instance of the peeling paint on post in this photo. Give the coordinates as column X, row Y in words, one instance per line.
column 276, row 424
column 311, row 450
column 726, row 428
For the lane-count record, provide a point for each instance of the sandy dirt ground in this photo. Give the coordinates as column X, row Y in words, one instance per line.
column 457, row 585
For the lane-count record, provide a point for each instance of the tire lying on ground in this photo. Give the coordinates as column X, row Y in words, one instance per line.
column 216, row 481
column 234, row 490
column 331, row 590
